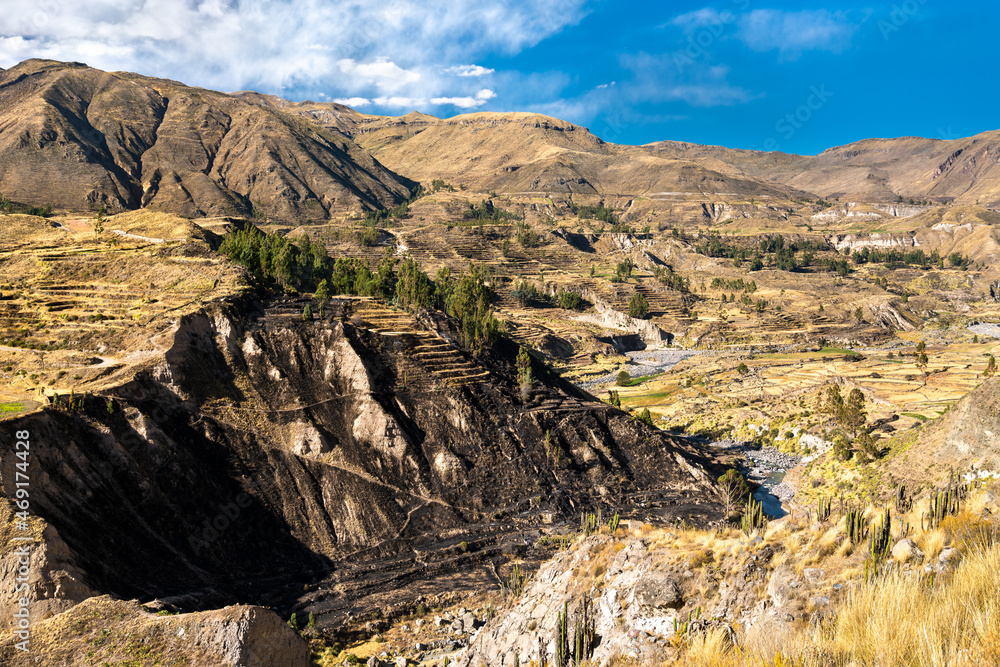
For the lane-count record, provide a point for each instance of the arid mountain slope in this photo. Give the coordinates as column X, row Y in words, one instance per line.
column 522, row 152
column 320, row 441
column 964, row 171
column 76, row 137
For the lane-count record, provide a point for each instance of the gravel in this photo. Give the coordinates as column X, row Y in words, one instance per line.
column 645, row 362
column 766, row 461
column 986, row 330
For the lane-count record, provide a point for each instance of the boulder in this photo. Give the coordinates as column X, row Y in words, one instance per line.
column 949, row 558
column 782, row 585
column 906, row 550
column 814, row 575
column 659, row 591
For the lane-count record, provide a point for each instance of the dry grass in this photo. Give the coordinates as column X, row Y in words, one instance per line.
column 902, row 620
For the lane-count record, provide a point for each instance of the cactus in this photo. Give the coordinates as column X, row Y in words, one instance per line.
column 880, row 540
column 589, row 522
column 944, row 503
column 753, row 517
column 515, row 585
column 575, row 648
column 904, row 500
column 857, row 527
column 613, row 522
column 562, row 641
column 823, row 509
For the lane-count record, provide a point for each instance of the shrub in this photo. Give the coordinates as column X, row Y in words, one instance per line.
column 638, row 306
column 742, row 369
column 623, row 379
column 569, row 300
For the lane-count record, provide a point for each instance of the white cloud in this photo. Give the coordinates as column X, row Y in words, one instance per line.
column 703, row 18
column 792, row 33
column 481, row 98
column 469, row 70
column 400, row 102
column 349, row 48
column 607, row 85
column 382, row 73
column 657, row 80
column 354, row 102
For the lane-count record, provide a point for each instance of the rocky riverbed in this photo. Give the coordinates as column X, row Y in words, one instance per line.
column 986, row 330
column 643, row 363
column 768, row 466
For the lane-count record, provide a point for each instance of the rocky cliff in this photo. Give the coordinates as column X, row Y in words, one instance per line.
column 261, row 452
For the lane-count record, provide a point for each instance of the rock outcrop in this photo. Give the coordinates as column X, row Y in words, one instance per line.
column 105, row 629
column 261, row 448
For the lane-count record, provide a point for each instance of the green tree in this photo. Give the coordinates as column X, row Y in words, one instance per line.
column 293, row 622
column 323, row 293
column 842, row 448
column 307, row 313
column 646, row 417
column 525, row 378
column 734, row 490
column 742, row 369
column 638, row 306
column 623, row 378
column 312, row 621
column 991, row 367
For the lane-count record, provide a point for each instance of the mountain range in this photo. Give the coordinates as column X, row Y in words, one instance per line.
column 77, row 138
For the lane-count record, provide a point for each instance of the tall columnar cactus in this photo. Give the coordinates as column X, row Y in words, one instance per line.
column 584, row 634
column 589, row 522
column 576, row 647
column 753, row 517
column 881, row 536
column 857, row 527
column 515, row 585
column 562, row 637
column 944, row 503
column 823, row 509
column 904, row 500
column 613, row 522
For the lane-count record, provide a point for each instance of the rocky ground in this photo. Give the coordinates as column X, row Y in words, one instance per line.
column 643, row 363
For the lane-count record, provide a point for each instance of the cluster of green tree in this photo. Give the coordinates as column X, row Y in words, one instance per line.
column 468, row 298
column 526, row 236
column 738, row 285
column 638, row 306
column 270, row 257
column 602, row 213
column 743, row 299
column 917, row 202
column 839, row 266
column 915, row 257
column 850, row 415
column 781, row 252
column 623, row 271
column 487, row 212
column 666, row 276
column 382, row 217
column 8, row 206
column 305, row 266
column 438, row 184
column 526, row 294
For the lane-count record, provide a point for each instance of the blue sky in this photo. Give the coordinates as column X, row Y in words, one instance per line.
column 749, row 74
